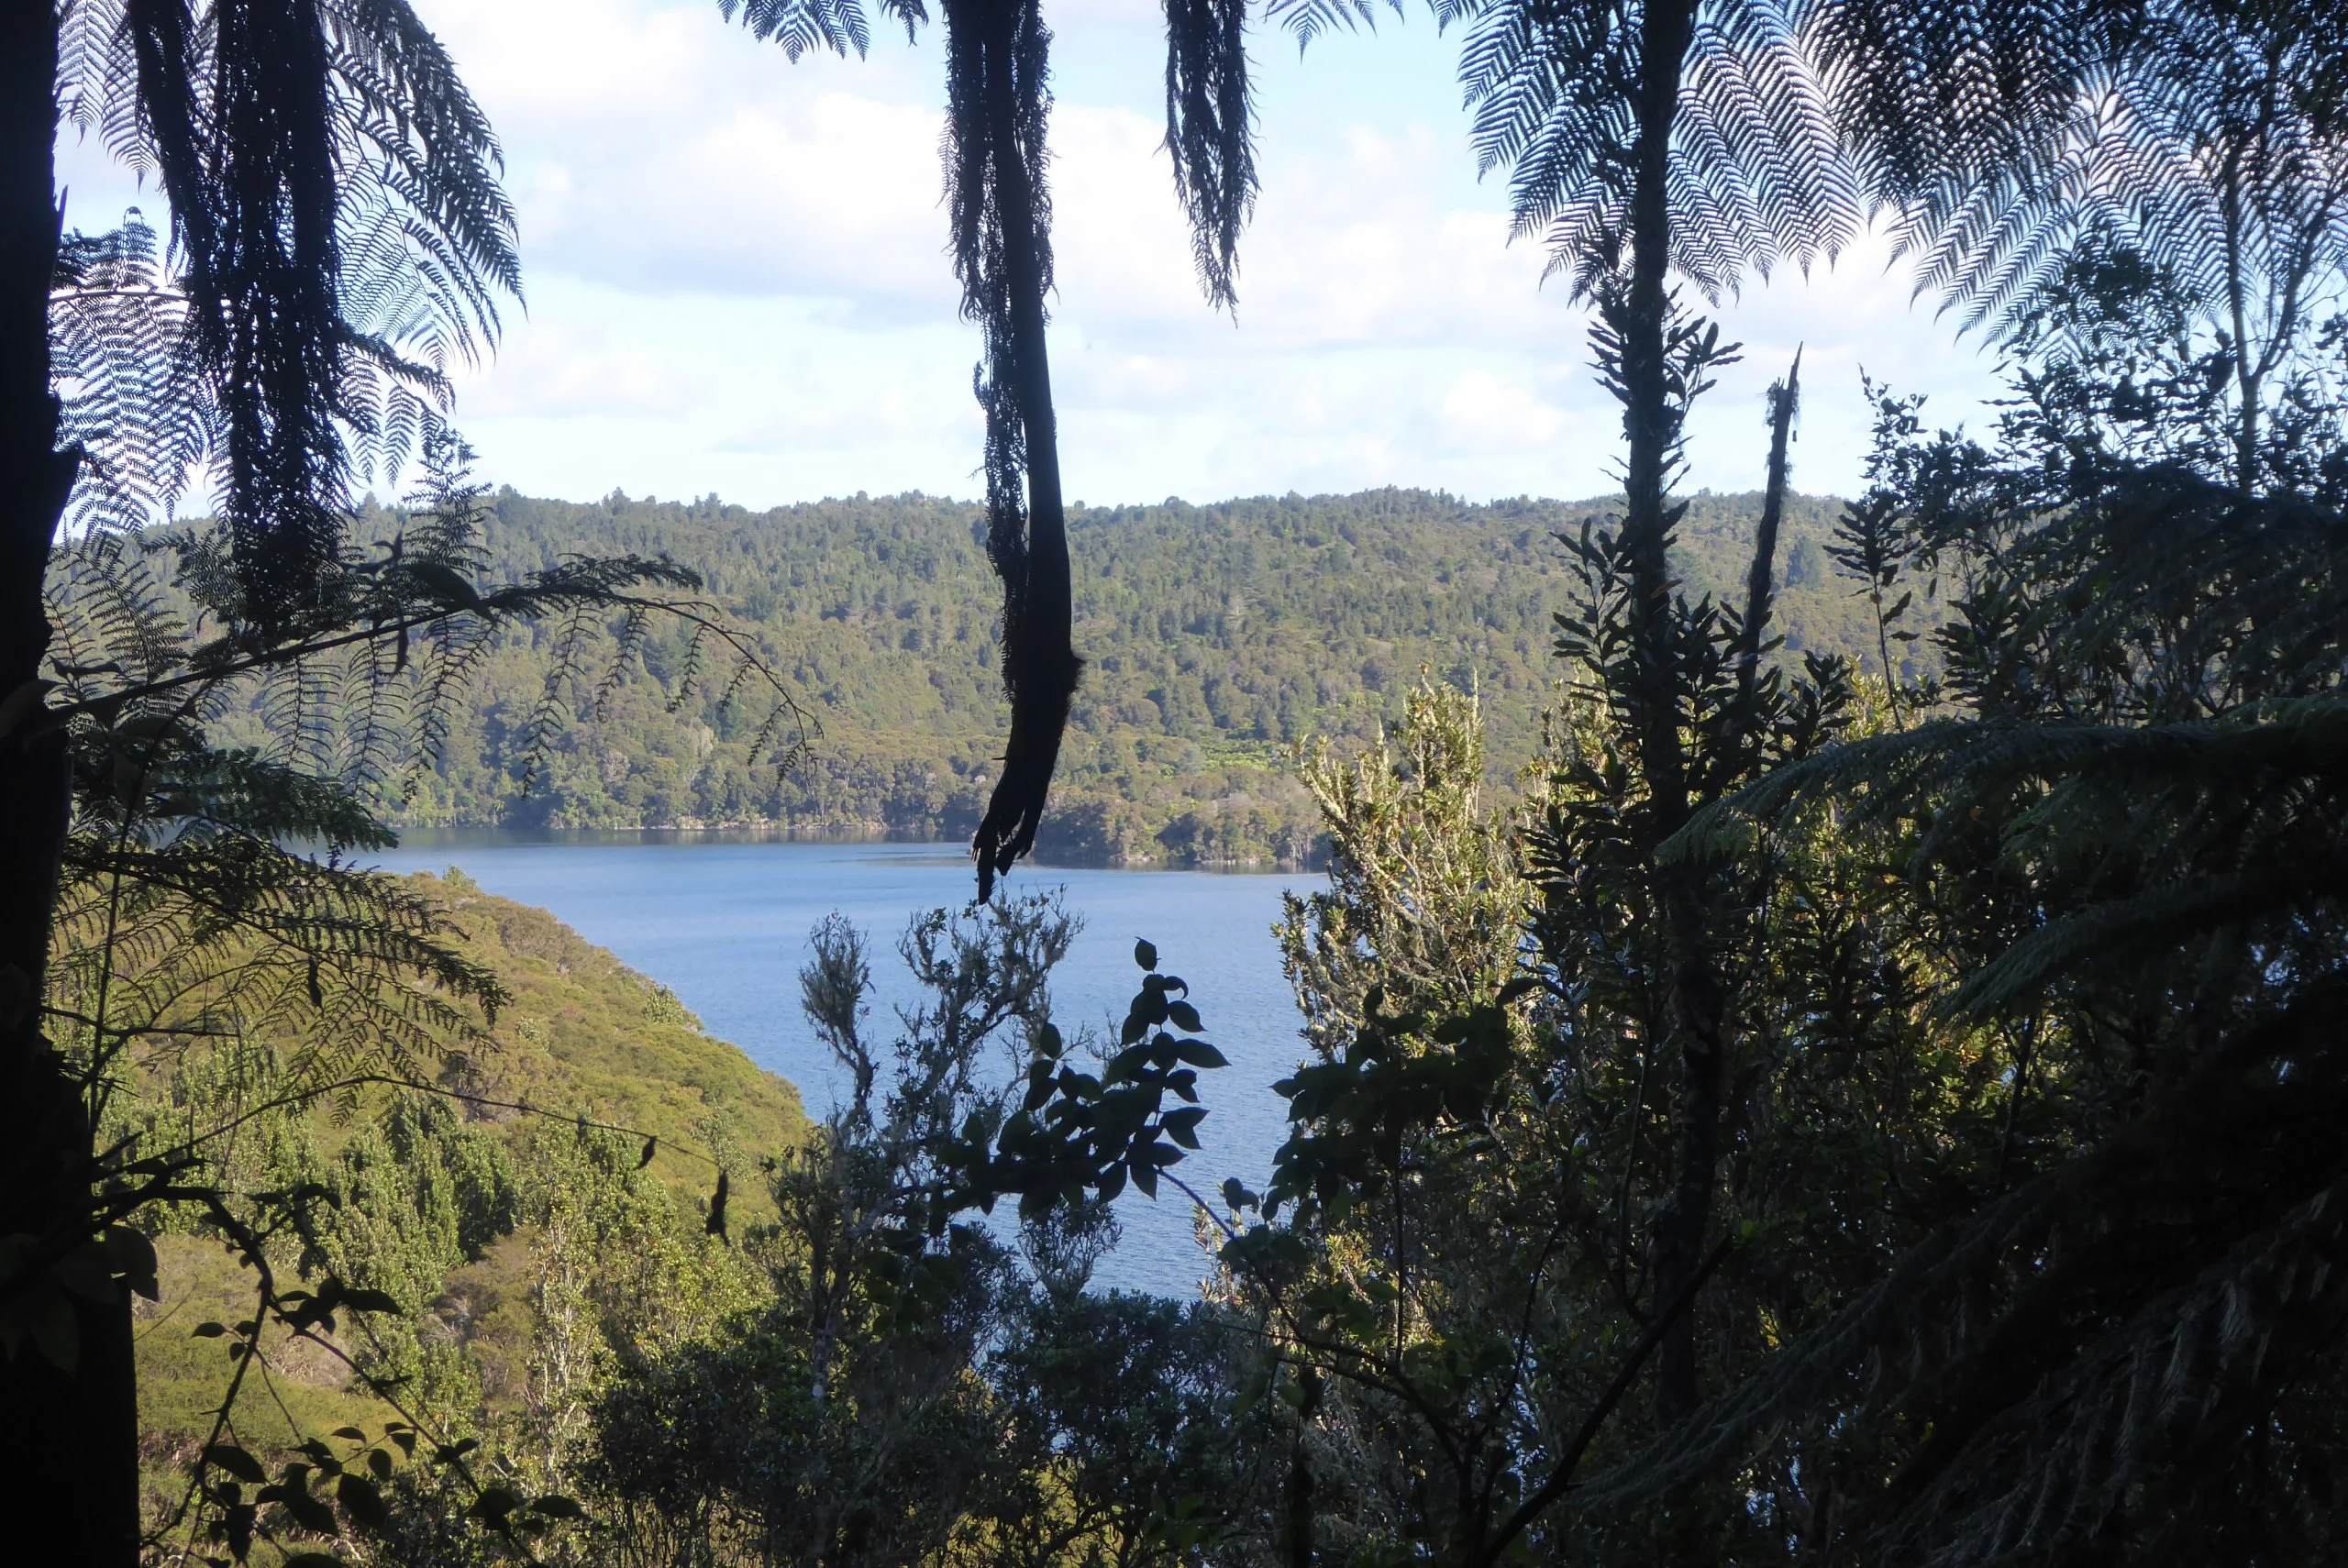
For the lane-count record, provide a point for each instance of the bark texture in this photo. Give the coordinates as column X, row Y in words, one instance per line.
column 68, row 1438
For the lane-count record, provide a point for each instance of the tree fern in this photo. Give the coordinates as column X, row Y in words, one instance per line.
column 998, row 199
column 2122, row 830
column 212, row 903
column 2206, row 139
column 1757, row 171
column 132, row 401
column 340, row 234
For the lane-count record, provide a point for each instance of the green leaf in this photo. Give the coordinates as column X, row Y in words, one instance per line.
column 312, row 1512
column 557, row 1506
column 134, row 1259
column 1145, row 954
column 1199, row 1053
column 361, row 1501
column 1181, row 1125
column 1184, row 1016
column 233, row 1459
column 494, row 1504
column 238, row 1524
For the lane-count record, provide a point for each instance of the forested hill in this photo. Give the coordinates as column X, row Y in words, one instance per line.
column 480, row 1220
column 1217, row 637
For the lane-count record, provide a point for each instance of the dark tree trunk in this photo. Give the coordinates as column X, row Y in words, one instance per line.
column 1039, row 663
column 1651, row 427
column 68, row 1440
column 1784, row 398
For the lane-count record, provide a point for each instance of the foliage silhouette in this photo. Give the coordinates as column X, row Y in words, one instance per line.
column 997, row 70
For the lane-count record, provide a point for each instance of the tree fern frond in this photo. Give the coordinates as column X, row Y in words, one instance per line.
column 2050, row 1278
column 1210, row 133
column 334, row 192
column 407, row 117
column 121, row 366
column 1757, row 172
column 800, row 25
column 2007, row 143
column 1307, row 19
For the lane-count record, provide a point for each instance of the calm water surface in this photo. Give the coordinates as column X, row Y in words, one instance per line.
column 723, row 922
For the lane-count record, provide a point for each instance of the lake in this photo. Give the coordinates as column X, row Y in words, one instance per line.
column 722, row 919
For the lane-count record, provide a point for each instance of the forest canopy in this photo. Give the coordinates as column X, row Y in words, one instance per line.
column 1222, row 637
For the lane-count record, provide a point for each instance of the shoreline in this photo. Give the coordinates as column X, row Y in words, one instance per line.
column 427, row 836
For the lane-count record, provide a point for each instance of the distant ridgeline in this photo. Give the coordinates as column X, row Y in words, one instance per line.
column 1218, row 637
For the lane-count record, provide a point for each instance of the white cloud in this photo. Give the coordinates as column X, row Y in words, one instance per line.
column 738, row 280
column 1485, row 412
column 570, row 364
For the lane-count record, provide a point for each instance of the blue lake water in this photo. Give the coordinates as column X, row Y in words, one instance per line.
column 723, row 921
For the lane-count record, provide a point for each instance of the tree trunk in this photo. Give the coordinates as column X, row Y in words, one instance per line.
column 1038, row 660
column 1784, row 398
column 68, row 1438
column 1651, row 427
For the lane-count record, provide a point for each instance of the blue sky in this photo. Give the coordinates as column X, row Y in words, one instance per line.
column 737, row 281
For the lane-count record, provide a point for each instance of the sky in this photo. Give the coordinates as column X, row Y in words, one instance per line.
column 737, row 283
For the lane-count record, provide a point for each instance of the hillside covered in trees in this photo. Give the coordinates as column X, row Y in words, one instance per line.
column 1218, row 639
column 515, row 1218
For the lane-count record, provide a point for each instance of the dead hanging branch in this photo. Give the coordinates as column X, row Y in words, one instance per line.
column 998, row 102
column 999, row 199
